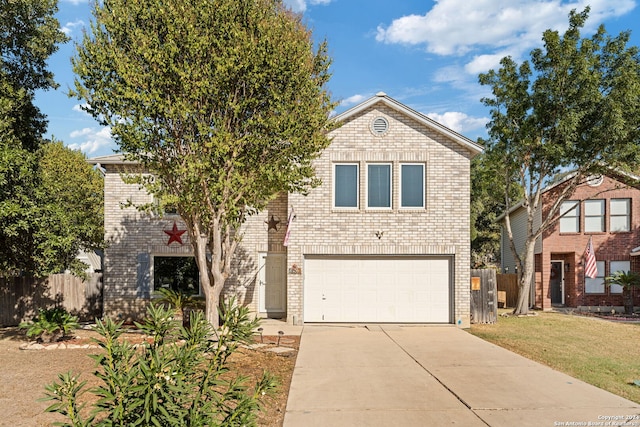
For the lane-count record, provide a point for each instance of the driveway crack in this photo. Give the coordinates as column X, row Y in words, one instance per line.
column 460, row 399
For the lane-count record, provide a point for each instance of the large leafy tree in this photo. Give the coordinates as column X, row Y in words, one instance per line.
column 223, row 101
column 575, row 105
column 29, row 35
column 487, row 204
column 70, row 207
column 59, row 213
column 30, row 234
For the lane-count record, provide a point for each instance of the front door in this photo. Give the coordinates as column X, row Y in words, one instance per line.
column 556, row 282
column 272, row 283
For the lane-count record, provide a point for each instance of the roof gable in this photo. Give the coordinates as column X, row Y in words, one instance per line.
column 382, row 98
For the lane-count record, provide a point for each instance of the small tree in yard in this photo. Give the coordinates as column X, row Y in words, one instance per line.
column 222, row 101
column 180, row 378
column 628, row 280
column 575, row 106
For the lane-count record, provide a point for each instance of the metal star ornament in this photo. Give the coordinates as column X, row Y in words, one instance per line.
column 272, row 223
column 174, row 234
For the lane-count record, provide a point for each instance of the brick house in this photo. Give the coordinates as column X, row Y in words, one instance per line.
column 385, row 238
column 603, row 209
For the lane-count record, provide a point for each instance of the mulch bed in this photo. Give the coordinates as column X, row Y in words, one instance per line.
column 615, row 317
column 23, row 374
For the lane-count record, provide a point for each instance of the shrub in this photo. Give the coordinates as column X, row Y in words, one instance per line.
column 51, row 324
column 172, row 298
column 628, row 280
column 180, row 378
column 181, row 302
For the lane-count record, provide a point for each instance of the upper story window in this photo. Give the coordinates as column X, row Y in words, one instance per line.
column 620, row 215
column 379, row 185
column 412, row 186
column 593, row 216
column 163, row 208
column 345, row 185
column 570, row 221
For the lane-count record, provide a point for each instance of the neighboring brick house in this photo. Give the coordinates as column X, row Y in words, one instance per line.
column 385, row 238
column 603, row 209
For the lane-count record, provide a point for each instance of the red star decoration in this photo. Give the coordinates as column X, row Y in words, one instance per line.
column 174, row 234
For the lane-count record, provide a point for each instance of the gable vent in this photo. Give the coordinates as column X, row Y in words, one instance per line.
column 379, row 126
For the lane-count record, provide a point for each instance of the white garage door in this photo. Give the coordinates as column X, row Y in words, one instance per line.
column 377, row 289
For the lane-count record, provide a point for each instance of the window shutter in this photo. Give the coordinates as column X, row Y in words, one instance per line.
column 143, row 289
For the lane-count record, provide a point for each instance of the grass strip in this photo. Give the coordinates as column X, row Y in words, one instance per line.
column 600, row 352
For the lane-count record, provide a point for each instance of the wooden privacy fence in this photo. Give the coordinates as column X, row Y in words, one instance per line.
column 484, row 304
column 21, row 297
column 508, row 283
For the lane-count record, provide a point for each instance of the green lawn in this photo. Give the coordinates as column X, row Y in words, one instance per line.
column 603, row 353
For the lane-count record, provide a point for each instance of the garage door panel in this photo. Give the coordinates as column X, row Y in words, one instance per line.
column 377, row 289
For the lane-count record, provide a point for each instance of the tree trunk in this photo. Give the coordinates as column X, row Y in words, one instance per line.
column 211, row 309
column 213, row 266
column 627, row 300
column 207, row 283
column 527, row 262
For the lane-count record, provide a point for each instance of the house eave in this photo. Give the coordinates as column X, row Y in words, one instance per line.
column 112, row 159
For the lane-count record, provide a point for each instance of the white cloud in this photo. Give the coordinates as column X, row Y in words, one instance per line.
column 482, row 63
column 353, row 100
column 81, row 132
column 69, row 27
column 449, row 74
column 79, row 108
column 91, row 139
column 301, row 5
column 459, row 27
column 76, row 2
column 459, row 122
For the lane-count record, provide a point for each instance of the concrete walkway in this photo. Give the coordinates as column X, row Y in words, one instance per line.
column 434, row 376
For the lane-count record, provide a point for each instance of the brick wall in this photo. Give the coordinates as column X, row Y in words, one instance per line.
column 128, row 233
column 569, row 247
column 441, row 228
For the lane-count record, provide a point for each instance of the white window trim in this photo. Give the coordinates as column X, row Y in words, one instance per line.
column 424, row 197
column 617, row 289
column 602, row 215
column 600, row 277
column 575, row 215
column 627, row 216
column 333, row 186
column 380, row 208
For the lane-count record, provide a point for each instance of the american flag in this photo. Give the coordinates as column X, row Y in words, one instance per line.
column 590, row 266
column 292, row 217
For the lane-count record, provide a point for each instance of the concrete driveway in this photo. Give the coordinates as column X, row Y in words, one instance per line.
column 432, row 376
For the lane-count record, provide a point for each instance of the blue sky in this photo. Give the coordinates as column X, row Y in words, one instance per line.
column 425, row 54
